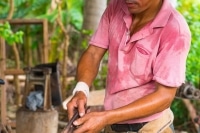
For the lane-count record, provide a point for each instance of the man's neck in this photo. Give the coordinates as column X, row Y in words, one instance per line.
column 141, row 19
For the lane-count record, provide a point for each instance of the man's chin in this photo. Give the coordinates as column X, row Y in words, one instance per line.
column 133, row 11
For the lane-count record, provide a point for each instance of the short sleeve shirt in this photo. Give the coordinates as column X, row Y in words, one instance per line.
column 156, row 53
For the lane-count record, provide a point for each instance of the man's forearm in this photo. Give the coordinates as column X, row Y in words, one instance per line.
column 88, row 65
column 87, row 69
column 144, row 107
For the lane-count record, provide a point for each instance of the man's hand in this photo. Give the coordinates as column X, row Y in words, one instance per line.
column 79, row 100
column 92, row 122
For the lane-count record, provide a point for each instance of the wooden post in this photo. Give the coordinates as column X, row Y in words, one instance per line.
column 45, row 41
column 3, row 88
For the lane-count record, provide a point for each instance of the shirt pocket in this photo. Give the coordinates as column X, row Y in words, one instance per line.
column 139, row 64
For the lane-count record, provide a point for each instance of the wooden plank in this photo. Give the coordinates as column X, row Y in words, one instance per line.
column 23, row 21
column 14, row 72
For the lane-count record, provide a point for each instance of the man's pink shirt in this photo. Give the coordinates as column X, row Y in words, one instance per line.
column 156, row 53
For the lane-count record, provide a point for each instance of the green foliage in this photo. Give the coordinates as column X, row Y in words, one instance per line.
column 182, row 120
column 71, row 13
column 4, row 8
column 86, row 34
column 24, row 8
column 75, row 12
column 7, row 33
column 51, row 17
column 30, row 8
column 190, row 9
column 179, row 108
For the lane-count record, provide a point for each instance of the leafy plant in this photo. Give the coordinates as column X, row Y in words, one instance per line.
column 7, row 33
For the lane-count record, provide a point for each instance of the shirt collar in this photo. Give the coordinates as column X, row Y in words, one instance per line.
column 163, row 16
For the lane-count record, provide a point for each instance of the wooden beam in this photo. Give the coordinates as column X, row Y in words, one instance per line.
column 23, row 21
column 14, row 72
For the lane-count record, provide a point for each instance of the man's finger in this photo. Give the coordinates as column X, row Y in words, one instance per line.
column 70, row 107
column 78, row 101
column 81, row 103
column 81, row 107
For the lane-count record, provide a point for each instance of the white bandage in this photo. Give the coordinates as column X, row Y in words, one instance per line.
column 82, row 86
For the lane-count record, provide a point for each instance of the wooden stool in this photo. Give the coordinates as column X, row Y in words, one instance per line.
column 43, row 120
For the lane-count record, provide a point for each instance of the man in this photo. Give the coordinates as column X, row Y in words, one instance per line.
column 148, row 42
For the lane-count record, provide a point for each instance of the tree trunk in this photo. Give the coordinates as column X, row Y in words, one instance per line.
column 93, row 11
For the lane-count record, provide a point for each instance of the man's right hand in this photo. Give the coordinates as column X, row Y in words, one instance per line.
column 79, row 100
